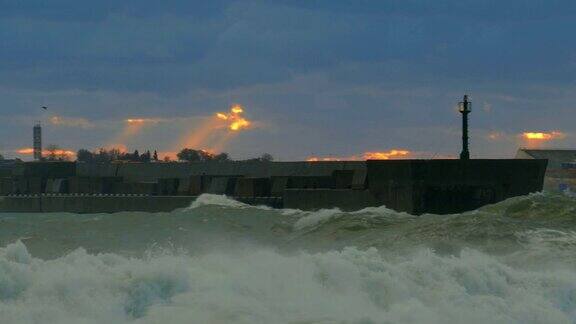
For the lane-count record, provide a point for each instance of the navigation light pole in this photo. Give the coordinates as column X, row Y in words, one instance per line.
column 465, row 107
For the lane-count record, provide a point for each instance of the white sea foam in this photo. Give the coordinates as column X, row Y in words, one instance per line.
column 311, row 219
column 228, row 202
column 263, row 286
column 316, row 218
column 216, row 200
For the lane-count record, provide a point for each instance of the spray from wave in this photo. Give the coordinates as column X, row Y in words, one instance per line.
column 220, row 261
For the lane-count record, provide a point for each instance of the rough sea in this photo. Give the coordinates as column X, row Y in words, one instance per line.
column 221, row 261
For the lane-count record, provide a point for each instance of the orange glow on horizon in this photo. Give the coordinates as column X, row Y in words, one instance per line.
column 323, row 159
column 25, row 151
column 172, row 156
column 120, row 147
column 29, row 151
column 386, row 155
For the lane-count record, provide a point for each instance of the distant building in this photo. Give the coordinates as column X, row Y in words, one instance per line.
column 569, row 165
column 561, row 171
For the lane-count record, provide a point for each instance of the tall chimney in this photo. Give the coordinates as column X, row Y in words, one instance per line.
column 38, row 142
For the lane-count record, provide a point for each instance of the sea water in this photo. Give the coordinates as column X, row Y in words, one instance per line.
column 220, row 261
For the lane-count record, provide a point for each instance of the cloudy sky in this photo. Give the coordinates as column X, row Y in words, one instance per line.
column 317, row 77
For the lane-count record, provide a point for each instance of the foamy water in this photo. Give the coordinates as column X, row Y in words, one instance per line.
column 220, row 261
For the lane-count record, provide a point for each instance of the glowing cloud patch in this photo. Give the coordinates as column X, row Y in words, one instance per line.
column 136, row 121
column 210, row 135
column 542, row 136
column 234, row 118
column 239, row 124
column 237, row 109
column 222, row 116
column 495, row 136
column 70, row 122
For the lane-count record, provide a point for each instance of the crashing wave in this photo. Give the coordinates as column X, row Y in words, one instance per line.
column 217, row 200
column 512, row 262
column 264, row 286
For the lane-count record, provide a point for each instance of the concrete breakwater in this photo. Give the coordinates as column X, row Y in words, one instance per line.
column 91, row 204
column 413, row 186
column 94, row 204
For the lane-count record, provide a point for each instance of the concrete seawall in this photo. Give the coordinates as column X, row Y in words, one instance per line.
column 314, row 199
column 95, row 204
column 451, row 186
column 92, row 204
column 145, row 172
column 413, row 186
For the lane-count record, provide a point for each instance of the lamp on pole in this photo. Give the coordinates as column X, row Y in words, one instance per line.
column 465, row 107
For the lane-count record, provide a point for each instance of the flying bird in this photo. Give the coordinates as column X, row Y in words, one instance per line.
column 44, row 107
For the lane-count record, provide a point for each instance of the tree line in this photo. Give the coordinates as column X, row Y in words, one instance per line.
column 186, row 154
column 104, row 155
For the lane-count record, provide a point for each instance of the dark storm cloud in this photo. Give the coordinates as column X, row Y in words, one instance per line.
column 455, row 9
column 130, row 46
column 73, row 10
column 328, row 65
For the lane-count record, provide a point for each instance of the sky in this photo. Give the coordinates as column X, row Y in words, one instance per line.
column 316, row 78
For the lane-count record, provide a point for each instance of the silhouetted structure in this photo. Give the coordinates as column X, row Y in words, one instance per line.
column 38, row 142
column 465, row 107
